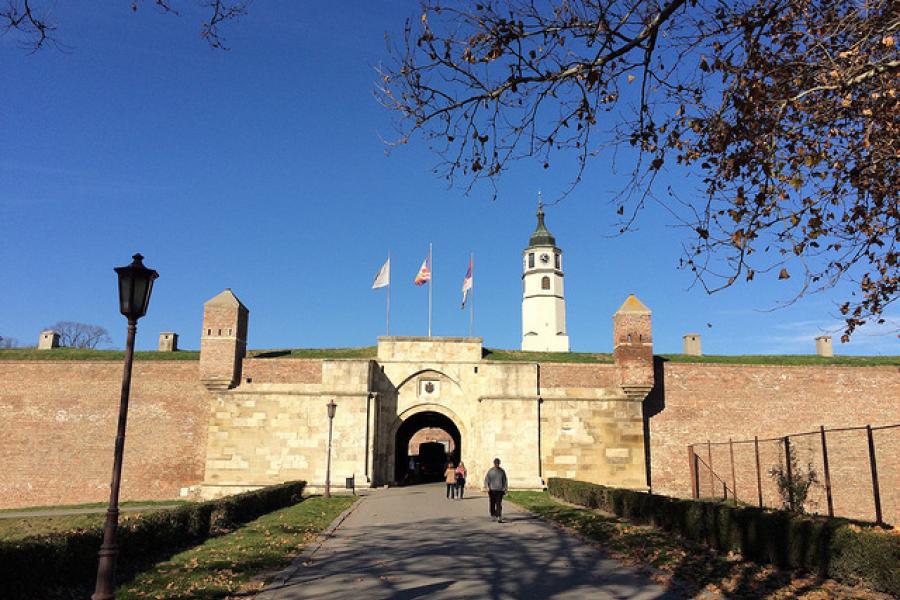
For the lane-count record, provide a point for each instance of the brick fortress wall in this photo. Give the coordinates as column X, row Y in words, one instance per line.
column 58, row 428
column 717, row 402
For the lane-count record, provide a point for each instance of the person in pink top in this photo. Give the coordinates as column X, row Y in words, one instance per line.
column 460, row 479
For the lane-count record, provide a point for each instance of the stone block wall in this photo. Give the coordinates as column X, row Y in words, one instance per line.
column 58, row 425
column 699, row 402
column 262, row 434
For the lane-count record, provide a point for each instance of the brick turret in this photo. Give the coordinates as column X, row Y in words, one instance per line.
column 223, row 342
column 633, row 347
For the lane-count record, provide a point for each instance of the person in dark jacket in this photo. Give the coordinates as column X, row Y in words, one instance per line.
column 496, row 484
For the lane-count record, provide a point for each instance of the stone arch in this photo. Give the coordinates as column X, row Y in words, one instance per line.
column 412, row 415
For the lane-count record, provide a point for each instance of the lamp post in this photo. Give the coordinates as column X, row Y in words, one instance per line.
column 332, row 407
column 135, row 285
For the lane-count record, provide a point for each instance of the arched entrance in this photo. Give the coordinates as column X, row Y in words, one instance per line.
column 432, row 457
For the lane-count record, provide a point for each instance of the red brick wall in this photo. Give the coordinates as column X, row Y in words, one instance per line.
column 715, row 402
column 58, row 425
column 578, row 375
column 282, row 370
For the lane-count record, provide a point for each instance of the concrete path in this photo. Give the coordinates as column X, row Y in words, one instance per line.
column 406, row 543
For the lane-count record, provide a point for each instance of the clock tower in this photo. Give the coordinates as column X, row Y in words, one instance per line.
column 543, row 300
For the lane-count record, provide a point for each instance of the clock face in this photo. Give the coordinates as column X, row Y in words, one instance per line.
column 545, row 258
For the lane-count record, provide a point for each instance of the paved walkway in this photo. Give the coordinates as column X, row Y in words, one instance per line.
column 406, row 543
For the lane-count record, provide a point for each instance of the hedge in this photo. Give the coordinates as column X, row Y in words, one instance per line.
column 64, row 565
column 835, row 548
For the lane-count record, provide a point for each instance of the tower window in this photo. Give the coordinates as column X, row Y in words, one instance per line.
column 531, row 260
column 556, row 256
column 545, row 283
column 209, row 332
column 220, row 332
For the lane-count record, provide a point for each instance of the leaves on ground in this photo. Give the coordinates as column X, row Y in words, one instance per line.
column 683, row 566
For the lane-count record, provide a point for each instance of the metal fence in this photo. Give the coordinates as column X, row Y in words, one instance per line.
column 721, row 469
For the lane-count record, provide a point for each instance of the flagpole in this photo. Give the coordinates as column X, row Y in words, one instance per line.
column 389, row 296
column 431, row 268
column 472, row 291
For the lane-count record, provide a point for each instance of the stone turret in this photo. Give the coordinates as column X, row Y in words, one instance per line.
column 692, row 344
column 49, row 339
column 168, row 341
column 633, row 347
column 223, row 342
column 824, row 346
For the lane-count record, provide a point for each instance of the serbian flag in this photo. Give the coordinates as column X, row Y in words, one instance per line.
column 424, row 274
column 467, row 282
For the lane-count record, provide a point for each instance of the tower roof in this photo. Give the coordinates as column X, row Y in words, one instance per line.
column 225, row 298
column 541, row 235
column 634, row 306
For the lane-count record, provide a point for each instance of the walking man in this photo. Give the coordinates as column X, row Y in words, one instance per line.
column 496, row 485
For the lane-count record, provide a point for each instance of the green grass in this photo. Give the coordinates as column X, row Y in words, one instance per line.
column 561, row 357
column 238, row 562
column 22, row 527
column 95, row 505
column 787, row 359
column 86, row 354
column 324, row 353
column 683, row 566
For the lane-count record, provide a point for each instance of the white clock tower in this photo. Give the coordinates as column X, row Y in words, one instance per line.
column 543, row 299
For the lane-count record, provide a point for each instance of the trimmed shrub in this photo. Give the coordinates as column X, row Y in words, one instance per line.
column 836, row 548
column 64, row 565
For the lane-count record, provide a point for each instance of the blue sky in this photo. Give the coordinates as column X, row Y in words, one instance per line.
column 263, row 169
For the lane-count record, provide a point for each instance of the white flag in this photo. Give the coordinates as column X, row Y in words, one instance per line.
column 383, row 279
column 468, row 282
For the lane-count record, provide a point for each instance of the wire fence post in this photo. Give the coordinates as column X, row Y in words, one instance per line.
column 758, row 473
column 790, row 475
column 692, row 465
column 712, row 483
column 827, row 472
column 875, row 492
column 724, row 491
column 733, row 476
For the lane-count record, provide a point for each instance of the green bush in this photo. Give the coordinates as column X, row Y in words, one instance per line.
column 835, row 548
column 64, row 565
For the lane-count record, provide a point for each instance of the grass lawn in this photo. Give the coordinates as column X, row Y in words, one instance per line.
column 86, row 354
column 683, row 566
column 326, row 353
column 238, row 562
column 96, row 505
column 23, row 527
column 563, row 357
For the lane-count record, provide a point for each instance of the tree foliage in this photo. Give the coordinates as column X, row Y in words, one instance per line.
column 8, row 342
column 80, row 335
column 34, row 23
column 788, row 110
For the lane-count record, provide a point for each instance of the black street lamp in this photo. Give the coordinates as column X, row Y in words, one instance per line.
column 135, row 285
column 332, row 407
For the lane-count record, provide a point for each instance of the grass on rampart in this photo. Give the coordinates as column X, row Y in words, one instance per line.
column 687, row 568
column 370, row 352
column 545, row 357
column 786, row 360
column 88, row 354
column 322, row 353
column 237, row 563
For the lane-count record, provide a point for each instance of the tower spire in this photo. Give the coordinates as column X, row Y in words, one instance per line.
column 541, row 235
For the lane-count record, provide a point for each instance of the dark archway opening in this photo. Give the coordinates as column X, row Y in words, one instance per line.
column 429, row 464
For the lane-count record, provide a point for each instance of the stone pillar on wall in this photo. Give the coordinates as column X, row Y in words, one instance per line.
column 692, row 344
column 223, row 341
column 49, row 339
column 633, row 347
column 168, row 341
column 824, row 346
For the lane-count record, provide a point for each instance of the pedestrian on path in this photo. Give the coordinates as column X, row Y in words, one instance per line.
column 450, row 478
column 460, row 479
column 496, row 484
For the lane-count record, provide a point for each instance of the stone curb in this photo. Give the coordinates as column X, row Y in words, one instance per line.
column 284, row 576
